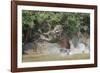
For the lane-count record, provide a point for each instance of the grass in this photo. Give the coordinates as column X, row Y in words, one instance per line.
column 42, row 57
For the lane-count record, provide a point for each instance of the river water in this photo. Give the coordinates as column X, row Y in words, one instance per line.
column 53, row 48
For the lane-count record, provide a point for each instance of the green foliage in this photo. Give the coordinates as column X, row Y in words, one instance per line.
column 72, row 22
